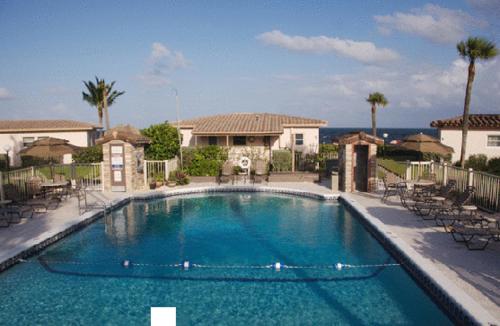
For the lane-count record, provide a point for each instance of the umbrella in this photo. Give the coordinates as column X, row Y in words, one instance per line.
column 425, row 144
column 50, row 148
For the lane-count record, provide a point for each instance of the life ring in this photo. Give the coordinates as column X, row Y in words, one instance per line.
column 244, row 162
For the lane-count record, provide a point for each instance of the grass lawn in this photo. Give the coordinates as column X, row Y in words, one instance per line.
column 82, row 172
column 396, row 167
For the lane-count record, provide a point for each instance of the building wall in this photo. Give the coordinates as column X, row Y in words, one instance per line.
column 311, row 140
column 15, row 141
column 477, row 142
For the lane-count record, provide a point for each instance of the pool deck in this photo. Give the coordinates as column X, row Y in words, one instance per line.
column 472, row 276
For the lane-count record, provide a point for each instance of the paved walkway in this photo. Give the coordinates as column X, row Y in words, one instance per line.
column 477, row 273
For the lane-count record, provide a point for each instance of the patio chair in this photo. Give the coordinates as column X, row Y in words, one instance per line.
column 260, row 171
column 471, row 235
column 390, row 186
column 17, row 206
column 408, row 197
column 34, row 187
column 4, row 220
column 226, row 173
column 39, row 205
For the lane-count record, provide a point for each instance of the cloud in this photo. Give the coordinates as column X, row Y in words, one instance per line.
column 5, row 94
column 162, row 63
column 490, row 5
column 432, row 22
column 417, row 94
column 365, row 52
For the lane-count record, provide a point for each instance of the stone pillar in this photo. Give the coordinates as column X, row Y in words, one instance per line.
column 134, row 179
column 372, row 168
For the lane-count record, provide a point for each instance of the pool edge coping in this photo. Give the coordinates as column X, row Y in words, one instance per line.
column 441, row 288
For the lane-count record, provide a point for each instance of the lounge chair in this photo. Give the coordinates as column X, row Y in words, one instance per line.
column 226, row 173
column 436, row 206
column 260, row 171
column 390, row 186
column 470, row 235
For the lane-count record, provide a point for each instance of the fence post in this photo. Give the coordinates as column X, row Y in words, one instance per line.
column 32, row 171
column 102, row 177
column 431, row 168
column 73, row 171
column 470, row 177
column 145, row 171
column 445, row 173
column 408, row 171
column 2, row 194
column 167, row 172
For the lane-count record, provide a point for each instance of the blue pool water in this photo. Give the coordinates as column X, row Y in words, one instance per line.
column 80, row 279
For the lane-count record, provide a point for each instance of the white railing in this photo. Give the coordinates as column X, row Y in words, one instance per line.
column 88, row 175
column 18, row 179
column 487, row 186
column 158, row 170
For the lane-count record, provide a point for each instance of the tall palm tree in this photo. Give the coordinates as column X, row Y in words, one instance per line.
column 376, row 99
column 101, row 95
column 472, row 49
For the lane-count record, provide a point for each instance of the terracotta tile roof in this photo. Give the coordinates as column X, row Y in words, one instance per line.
column 247, row 123
column 7, row 126
column 476, row 121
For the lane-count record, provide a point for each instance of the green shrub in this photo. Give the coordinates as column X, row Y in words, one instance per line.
column 179, row 177
column 91, row 154
column 328, row 148
column 28, row 160
column 494, row 166
column 204, row 161
column 164, row 142
column 477, row 162
column 282, row 160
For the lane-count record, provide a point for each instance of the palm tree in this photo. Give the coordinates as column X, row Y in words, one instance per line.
column 472, row 49
column 101, row 95
column 376, row 99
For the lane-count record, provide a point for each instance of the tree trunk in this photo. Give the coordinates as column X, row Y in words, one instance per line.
column 465, row 117
column 99, row 114
column 374, row 121
column 105, row 106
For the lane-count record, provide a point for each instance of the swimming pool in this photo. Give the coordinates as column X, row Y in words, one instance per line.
column 232, row 242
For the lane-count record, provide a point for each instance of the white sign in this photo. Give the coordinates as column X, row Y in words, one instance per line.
column 116, row 160
column 117, row 176
column 116, row 149
column 163, row 316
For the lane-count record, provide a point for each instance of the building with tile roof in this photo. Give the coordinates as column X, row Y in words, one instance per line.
column 16, row 135
column 243, row 133
column 483, row 136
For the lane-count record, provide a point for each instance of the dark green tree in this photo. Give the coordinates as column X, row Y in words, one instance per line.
column 101, row 95
column 376, row 99
column 164, row 142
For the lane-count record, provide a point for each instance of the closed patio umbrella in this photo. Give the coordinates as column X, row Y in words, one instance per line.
column 425, row 144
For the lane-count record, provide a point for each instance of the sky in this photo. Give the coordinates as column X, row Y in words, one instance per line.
column 317, row 59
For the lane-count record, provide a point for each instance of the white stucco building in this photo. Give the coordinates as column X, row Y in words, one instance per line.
column 17, row 134
column 253, row 134
column 483, row 136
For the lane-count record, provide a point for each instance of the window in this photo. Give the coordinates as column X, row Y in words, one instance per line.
column 42, row 137
column 267, row 140
column 299, row 139
column 494, row 140
column 27, row 141
column 239, row 140
column 212, row 140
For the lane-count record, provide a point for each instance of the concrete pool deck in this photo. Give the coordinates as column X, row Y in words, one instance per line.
column 475, row 275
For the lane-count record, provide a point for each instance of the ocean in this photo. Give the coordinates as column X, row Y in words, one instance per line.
column 326, row 134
